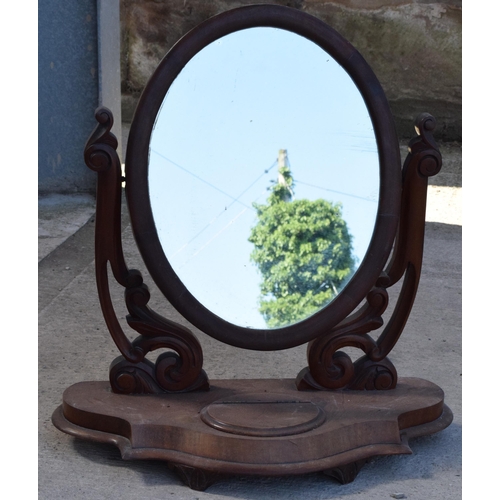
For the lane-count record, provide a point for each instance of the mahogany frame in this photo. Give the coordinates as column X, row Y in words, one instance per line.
column 137, row 188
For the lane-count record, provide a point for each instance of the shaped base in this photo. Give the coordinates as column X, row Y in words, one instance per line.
column 258, row 427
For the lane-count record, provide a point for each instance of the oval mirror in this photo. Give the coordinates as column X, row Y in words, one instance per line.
column 264, row 179
column 263, row 141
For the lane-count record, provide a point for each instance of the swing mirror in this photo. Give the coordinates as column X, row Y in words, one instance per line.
column 252, row 130
column 256, row 182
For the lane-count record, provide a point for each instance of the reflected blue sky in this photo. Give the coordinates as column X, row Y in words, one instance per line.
column 214, row 151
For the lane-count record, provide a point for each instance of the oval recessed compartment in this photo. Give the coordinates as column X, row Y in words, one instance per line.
column 263, row 415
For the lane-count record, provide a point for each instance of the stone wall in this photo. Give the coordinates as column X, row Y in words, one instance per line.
column 414, row 47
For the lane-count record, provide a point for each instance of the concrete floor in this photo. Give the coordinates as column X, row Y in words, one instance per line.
column 74, row 346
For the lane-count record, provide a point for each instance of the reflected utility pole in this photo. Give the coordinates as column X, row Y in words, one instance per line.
column 284, row 175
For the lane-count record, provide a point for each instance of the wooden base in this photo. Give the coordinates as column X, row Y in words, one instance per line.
column 259, row 427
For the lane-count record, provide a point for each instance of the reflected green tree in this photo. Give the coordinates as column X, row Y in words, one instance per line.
column 303, row 250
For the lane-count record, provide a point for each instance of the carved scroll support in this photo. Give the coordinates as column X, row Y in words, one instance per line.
column 331, row 369
column 423, row 161
column 177, row 371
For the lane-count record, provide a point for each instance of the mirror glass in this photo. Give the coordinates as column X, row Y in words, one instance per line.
column 264, row 177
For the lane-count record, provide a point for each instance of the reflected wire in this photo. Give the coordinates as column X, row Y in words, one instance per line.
column 225, row 208
column 330, row 190
column 337, row 192
column 201, row 179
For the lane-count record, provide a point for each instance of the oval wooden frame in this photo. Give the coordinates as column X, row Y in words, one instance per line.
column 137, row 191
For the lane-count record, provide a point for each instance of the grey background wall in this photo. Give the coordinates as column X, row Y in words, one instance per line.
column 78, row 69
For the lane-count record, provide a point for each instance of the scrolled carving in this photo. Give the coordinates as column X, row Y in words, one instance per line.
column 136, row 292
column 423, row 160
column 133, row 279
column 151, row 378
column 371, row 375
column 171, row 372
column 423, row 148
column 99, row 159
column 425, row 124
column 177, row 371
column 429, row 165
column 100, row 151
column 105, row 117
column 330, row 368
column 334, row 370
column 133, row 378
